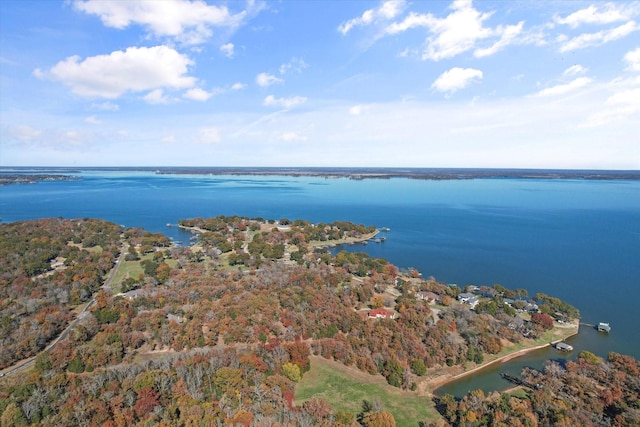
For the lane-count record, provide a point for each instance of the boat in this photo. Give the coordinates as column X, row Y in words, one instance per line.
column 603, row 327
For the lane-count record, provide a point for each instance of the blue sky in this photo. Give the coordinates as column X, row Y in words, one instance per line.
column 528, row 84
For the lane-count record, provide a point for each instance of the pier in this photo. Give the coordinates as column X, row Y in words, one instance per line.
column 519, row 381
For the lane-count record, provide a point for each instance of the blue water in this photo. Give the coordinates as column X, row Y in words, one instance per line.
column 575, row 239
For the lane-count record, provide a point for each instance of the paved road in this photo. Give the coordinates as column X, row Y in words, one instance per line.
column 27, row 363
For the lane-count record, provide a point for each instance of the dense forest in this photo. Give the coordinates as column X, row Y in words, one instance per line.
column 220, row 333
column 588, row 392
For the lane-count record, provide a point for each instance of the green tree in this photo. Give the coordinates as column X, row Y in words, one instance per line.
column 43, row 362
column 292, row 371
column 418, row 367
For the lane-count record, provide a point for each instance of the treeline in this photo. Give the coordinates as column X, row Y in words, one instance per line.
column 588, row 392
column 46, row 266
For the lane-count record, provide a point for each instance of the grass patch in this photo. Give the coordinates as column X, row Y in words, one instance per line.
column 345, row 389
column 134, row 269
column 126, row 269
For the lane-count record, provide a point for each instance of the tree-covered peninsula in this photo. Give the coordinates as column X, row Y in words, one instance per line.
column 117, row 327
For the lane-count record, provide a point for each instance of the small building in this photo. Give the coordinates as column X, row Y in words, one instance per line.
column 381, row 313
column 429, row 297
column 563, row 346
column 465, row 297
column 473, row 302
column 604, row 327
column 136, row 293
column 470, row 299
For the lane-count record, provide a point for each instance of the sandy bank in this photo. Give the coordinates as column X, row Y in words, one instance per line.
column 443, row 379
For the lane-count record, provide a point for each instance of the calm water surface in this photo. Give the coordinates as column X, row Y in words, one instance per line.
column 574, row 239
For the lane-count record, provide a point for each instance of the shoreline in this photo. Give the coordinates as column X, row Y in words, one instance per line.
column 434, row 384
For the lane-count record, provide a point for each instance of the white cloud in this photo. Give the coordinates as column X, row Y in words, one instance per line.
column 386, row 11
column 238, row 86
column 134, row 70
column 189, row 22
column 292, row 137
column 209, row 136
column 294, row 101
column 156, row 97
column 633, row 59
column 356, row 110
column 24, row 133
column 562, row 89
column 106, row 106
column 456, row 78
column 574, row 70
column 197, row 94
column 169, row 139
column 605, row 14
column 508, row 34
column 413, row 20
column 265, row 79
column 622, row 104
column 460, row 31
column 596, row 39
column 296, row 64
column 93, row 120
column 452, row 35
column 73, row 138
column 228, row 50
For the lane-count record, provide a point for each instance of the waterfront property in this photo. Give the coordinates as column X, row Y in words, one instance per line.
column 604, row 327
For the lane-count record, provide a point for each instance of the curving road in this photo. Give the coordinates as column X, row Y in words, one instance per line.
column 27, row 363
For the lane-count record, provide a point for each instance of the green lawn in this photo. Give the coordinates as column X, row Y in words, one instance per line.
column 133, row 269
column 345, row 388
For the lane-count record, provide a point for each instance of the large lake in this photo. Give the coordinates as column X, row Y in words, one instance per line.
column 578, row 240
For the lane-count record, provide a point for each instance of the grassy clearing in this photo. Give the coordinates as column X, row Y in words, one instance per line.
column 134, row 269
column 345, row 388
column 126, row 269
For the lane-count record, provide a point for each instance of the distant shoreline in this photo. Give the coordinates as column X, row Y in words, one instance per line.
column 354, row 173
column 435, row 174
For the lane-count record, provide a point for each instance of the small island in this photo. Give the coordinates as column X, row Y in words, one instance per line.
column 7, row 179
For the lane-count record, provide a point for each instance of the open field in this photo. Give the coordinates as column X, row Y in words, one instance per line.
column 345, row 388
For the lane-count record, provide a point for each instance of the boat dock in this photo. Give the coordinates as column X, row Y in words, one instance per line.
column 563, row 346
column 519, row 381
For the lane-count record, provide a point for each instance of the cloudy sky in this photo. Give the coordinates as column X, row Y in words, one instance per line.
column 544, row 84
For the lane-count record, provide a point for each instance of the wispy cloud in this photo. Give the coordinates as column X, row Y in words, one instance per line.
column 632, row 58
column 386, row 11
column 228, row 50
column 565, row 88
column 287, row 103
column 456, row 78
column 266, row 79
column 606, row 13
column 598, row 38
